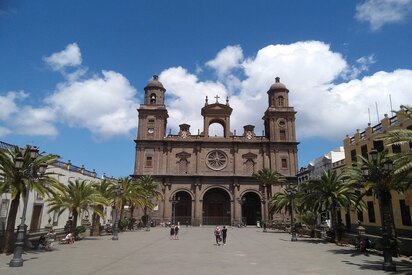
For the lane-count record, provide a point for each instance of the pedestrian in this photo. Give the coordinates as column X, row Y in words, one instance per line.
column 172, row 232
column 176, row 232
column 224, row 234
column 217, row 233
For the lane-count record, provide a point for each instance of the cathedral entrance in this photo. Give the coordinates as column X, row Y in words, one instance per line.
column 182, row 208
column 251, row 208
column 216, row 207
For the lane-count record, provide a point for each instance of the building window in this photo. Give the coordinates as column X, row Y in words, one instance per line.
column 183, row 166
column 396, row 149
column 364, row 151
column 280, row 101
column 249, row 167
column 360, row 215
column 4, row 208
column 153, row 99
column 149, row 162
column 282, row 135
column 405, row 213
column 284, row 163
column 371, row 212
column 353, row 155
column 378, row 145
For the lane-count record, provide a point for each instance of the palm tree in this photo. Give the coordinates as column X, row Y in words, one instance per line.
column 329, row 192
column 149, row 192
column 76, row 197
column 282, row 201
column 269, row 177
column 103, row 188
column 131, row 194
column 403, row 160
column 18, row 184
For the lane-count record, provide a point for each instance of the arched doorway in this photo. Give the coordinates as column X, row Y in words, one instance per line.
column 216, row 207
column 251, row 208
column 182, row 208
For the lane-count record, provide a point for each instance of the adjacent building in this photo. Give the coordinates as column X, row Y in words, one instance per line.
column 360, row 144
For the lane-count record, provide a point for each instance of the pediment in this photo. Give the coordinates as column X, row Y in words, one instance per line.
column 183, row 155
column 249, row 156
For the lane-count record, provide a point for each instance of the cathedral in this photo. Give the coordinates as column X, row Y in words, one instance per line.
column 208, row 179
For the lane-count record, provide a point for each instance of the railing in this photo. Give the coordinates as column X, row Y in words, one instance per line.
column 377, row 128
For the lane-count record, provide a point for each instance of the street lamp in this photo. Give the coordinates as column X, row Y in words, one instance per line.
column 147, row 216
column 31, row 174
column 118, row 192
column 242, row 202
column 380, row 175
column 291, row 191
column 174, row 201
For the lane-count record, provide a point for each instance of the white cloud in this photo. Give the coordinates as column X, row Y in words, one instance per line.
column 8, row 105
column 381, row 12
column 226, row 60
column 4, row 131
column 362, row 65
column 35, row 122
column 69, row 57
column 105, row 105
column 309, row 69
column 23, row 119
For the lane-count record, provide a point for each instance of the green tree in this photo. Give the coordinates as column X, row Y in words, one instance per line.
column 282, row 200
column 15, row 182
column 269, row 177
column 330, row 192
column 76, row 197
column 103, row 188
column 403, row 160
column 150, row 192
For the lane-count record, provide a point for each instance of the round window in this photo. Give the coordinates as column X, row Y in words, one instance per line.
column 216, row 160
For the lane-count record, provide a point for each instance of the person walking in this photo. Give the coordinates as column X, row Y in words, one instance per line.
column 217, row 233
column 172, row 232
column 224, row 234
column 176, row 232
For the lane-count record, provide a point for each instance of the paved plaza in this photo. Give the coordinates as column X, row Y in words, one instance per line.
column 248, row 251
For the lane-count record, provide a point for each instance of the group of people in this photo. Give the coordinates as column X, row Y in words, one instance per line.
column 220, row 235
column 46, row 241
column 174, row 232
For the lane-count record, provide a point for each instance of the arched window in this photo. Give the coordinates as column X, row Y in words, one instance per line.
column 183, row 166
column 153, row 99
column 280, row 101
column 249, row 167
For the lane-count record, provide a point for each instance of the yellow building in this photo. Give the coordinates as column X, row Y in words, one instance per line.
column 361, row 144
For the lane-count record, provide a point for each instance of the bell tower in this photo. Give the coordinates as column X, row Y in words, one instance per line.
column 279, row 118
column 153, row 113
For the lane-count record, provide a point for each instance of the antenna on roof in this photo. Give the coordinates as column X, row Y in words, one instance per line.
column 369, row 113
column 377, row 111
column 390, row 101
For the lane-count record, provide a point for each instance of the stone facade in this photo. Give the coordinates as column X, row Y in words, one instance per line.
column 208, row 179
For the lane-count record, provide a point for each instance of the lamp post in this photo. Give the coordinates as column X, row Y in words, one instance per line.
column 379, row 173
column 118, row 192
column 31, row 174
column 174, row 201
column 241, row 202
column 291, row 191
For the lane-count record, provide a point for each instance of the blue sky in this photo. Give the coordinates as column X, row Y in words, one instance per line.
column 72, row 72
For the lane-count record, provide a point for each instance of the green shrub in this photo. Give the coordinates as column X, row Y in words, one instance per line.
column 80, row 229
column 123, row 223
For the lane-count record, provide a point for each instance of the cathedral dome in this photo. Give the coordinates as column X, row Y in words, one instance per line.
column 278, row 85
column 155, row 83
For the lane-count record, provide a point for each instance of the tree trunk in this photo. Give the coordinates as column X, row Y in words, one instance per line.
column 95, row 225
column 74, row 224
column 9, row 236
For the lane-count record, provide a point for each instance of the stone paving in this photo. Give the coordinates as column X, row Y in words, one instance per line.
column 248, row 251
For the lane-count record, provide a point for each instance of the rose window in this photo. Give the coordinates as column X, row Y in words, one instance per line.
column 216, row 160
